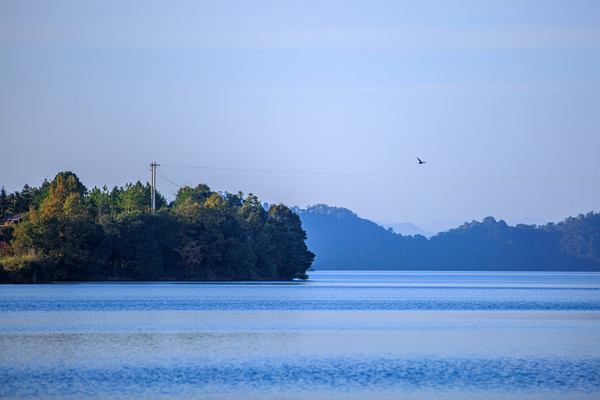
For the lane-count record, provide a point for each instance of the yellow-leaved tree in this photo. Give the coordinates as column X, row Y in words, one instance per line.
column 60, row 231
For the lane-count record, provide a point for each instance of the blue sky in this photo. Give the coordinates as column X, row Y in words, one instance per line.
column 501, row 99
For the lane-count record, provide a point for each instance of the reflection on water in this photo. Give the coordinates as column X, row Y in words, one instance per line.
column 340, row 335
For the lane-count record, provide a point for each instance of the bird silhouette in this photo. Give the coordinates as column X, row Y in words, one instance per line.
column 420, row 162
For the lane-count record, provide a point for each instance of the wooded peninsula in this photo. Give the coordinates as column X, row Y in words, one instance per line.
column 61, row 231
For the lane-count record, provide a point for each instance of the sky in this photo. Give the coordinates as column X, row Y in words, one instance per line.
column 307, row 102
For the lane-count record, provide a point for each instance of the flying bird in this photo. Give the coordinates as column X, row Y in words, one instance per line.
column 420, row 162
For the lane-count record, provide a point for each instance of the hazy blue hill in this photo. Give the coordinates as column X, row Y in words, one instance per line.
column 342, row 240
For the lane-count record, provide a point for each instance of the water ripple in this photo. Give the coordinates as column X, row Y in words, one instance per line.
column 337, row 375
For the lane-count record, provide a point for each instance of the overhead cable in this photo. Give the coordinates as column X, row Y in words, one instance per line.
column 384, row 175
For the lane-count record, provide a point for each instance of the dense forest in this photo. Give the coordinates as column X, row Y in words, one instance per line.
column 342, row 240
column 70, row 233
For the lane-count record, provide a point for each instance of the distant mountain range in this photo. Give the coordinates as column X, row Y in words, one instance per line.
column 341, row 239
column 431, row 228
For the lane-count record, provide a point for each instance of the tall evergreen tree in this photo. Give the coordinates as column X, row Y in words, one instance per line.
column 3, row 203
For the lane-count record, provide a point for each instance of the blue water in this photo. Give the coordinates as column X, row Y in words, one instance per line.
column 349, row 335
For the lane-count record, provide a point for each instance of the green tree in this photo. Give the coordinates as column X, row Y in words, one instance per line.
column 292, row 256
column 3, row 203
column 236, row 259
column 26, row 198
column 98, row 202
column 131, row 248
column 254, row 222
column 137, row 197
column 198, row 195
column 192, row 240
column 69, row 183
column 580, row 237
column 134, row 197
column 212, row 242
column 61, row 229
column 41, row 193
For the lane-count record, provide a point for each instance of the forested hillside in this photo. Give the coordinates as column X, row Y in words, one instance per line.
column 69, row 233
column 342, row 240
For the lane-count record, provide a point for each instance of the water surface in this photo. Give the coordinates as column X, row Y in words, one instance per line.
column 339, row 335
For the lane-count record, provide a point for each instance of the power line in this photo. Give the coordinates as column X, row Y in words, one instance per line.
column 167, row 179
column 368, row 174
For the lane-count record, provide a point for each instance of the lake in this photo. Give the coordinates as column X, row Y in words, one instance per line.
column 341, row 334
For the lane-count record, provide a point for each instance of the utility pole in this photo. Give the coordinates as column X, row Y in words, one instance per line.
column 153, row 167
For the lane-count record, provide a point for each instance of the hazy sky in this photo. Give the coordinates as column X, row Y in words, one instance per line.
column 500, row 98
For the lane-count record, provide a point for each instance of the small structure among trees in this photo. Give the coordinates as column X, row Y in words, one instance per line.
column 13, row 219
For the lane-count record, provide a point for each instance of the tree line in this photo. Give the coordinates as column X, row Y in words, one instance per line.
column 70, row 233
column 342, row 240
